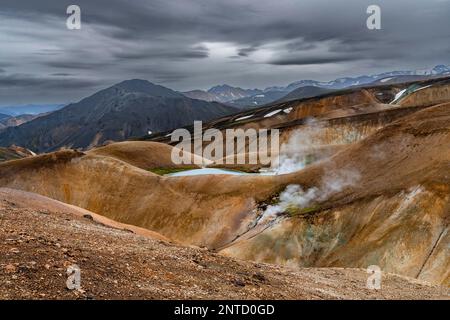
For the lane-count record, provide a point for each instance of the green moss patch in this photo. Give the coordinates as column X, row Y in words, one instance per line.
column 164, row 171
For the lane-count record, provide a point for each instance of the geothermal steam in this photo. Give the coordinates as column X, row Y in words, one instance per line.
column 294, row 154
column 295, row 197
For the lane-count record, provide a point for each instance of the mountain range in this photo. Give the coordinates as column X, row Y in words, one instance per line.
column 135, row 108
column 31, row 109
column 364, row 184
column 244, row 98
column 130, row 108
column 10, row 121
column 222, row 93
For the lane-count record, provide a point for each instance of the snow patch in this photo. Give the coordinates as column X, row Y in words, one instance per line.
column 386, row 79
column 244, row 117
column 421, row 88
column 270, row 114
column 398, row 96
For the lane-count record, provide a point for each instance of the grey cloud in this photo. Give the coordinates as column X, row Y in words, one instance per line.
column 161, row 41
column 301, row 61
column 177, row 54
column 76, row 64
column 61, row 74
column 26, row 80
column 26, row 88
column 244, row 52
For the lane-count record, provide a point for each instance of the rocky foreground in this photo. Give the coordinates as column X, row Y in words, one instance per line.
column 40, row 239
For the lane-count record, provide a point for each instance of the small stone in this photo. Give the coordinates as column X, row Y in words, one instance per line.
column 10, row 268
column 259, row 276
column 14, row 250
column 238, row 282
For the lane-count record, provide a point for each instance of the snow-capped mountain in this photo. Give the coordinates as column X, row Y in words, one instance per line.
column 346, row 82
column 256, row 97
column 222, row 93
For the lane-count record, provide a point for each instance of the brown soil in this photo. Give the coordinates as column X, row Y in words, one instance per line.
column 37, row 247
column 373, row 221
column 142, row 154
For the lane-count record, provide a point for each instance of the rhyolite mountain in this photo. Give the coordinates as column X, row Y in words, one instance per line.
column 131, row 108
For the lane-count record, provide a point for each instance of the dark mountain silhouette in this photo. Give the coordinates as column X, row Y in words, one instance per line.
column 258, row 99
column 305, row 92
column 130, row 108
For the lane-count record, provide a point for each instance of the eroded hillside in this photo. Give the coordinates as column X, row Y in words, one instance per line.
column 398, row 221
column 376, row 190
column 40, row 239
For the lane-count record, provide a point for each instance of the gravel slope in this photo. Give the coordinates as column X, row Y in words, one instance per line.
column 38, row 245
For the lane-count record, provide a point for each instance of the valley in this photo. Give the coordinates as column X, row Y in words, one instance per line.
column 363, row 179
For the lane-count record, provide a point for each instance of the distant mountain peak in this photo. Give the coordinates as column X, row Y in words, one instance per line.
column 254, row 97
column 130, row 108
column 224, row 87
column 135, row 82
column 147, row 87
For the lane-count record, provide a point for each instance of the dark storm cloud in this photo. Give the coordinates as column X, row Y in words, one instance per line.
column 244, row 52
column 195, row 53
column 27, row 88
column 189, row 43
column 6, row 64
column 27, row 80
column 61, row 74
column 76, row 64
column 301, row 61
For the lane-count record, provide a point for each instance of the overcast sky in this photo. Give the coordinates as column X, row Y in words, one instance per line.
column 190, row 44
